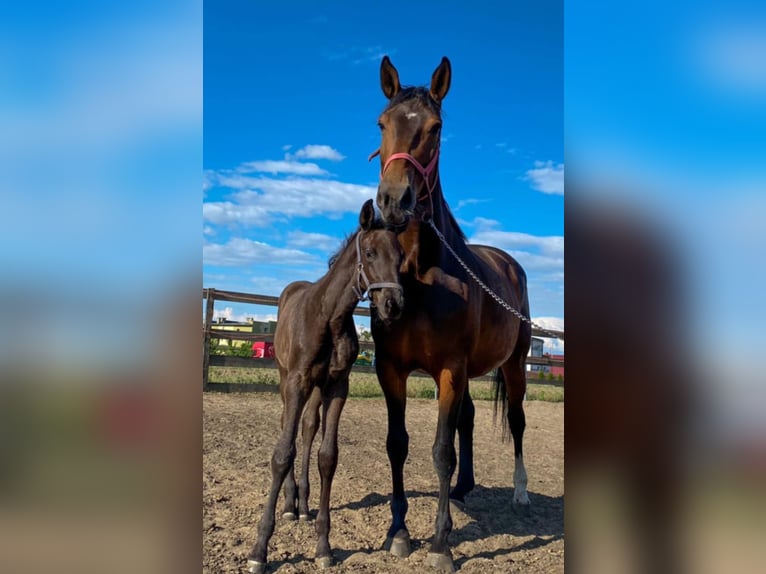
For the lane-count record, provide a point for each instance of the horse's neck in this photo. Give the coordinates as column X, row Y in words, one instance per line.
column 335, row 288
column 421, row 244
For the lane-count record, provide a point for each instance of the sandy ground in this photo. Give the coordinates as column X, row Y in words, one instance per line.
column 240, row 431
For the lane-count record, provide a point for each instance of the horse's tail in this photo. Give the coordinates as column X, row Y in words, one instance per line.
column 501, row 401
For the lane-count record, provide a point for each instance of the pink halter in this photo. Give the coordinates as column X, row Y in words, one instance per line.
column 424, row 171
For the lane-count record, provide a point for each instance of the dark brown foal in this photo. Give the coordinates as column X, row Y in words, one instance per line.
column 315, row 346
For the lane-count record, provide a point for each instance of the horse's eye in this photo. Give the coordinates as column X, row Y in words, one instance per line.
column 369, row 254
column 435, row 129
column 381, row 126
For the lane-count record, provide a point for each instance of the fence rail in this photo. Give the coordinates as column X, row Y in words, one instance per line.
column 210, row 331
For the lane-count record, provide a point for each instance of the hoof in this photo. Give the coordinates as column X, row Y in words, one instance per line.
column 520, row 508
column 441, row 562
column 289, row 515
column 456, row 505
column 324, row 561
column 304, row 517
column 254, row 567
column 399, row 545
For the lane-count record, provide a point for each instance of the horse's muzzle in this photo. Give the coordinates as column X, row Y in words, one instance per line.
column 395, row 203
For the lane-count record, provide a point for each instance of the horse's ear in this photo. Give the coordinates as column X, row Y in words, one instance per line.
column 440, row 80
column 389, row 78
column 367, row 215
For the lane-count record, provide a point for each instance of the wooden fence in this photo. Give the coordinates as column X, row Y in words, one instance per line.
column 210, row 332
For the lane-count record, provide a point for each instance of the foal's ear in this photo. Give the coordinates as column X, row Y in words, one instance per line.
column 440, row 80
column 367, row 215
column 389, row 78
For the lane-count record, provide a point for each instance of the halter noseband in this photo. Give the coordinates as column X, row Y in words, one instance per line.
column 362, row 294
column 424, row 171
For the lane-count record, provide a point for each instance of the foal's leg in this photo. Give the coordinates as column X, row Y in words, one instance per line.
column 309, row 426
column 465, row 480
column 394, row 385
column 452, row 385
column 516, row 386
column 328, row 461
column 281, row 461
column 290, row 489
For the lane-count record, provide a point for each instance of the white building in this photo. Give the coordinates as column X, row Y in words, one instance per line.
column 535, row 350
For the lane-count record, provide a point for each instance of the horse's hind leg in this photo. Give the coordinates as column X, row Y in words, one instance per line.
column 281, row 461
column 465, row 479
column 296, row 496
column 516, row 387
column 309, row 428
column 328, row 461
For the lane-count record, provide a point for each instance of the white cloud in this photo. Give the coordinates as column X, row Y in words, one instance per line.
column 207, row 230
column 229, row 314
column 281, row 166
column 318, row 152
column 551, row 345
column 238, row 251
column 319, row 241
column 732, row 56
column 487, row 232
column 263, row 198
column 469, row 201
column 547, row 177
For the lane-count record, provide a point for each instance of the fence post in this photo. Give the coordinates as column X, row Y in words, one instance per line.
column 206, row 336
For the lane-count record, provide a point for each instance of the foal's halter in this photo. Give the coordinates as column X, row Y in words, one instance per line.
column 361, row 276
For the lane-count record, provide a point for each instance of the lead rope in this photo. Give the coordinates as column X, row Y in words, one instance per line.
column 489, row 291
column 425, row 172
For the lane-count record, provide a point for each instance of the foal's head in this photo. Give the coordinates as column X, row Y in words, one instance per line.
column 410, row 124
column 379, row 258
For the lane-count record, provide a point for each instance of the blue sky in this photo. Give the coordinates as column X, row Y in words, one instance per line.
column 291, row 99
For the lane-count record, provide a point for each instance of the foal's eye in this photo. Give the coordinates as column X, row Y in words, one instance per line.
column 369, row 254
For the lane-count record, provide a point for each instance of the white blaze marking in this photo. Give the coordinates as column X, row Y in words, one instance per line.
column 412, row 115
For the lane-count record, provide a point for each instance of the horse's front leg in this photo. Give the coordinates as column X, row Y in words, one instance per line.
column 333, row 402
column 281, row 462
column 452, row 384
column 394, row 385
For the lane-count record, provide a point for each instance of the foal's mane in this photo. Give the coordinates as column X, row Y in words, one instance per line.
column 377, row 223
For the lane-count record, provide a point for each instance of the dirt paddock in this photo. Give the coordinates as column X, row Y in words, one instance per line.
column 240, row 431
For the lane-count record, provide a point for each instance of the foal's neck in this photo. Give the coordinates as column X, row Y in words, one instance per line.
column 338, row 297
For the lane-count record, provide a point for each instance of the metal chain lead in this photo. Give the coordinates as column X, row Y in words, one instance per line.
column 483, row 286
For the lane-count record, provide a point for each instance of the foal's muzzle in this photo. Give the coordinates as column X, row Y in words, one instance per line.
column 388, row 302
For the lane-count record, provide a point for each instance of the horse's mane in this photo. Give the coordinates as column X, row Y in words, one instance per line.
column 376, row 224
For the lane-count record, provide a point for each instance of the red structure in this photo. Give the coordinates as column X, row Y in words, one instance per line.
column 263, row 350
column 555, row 371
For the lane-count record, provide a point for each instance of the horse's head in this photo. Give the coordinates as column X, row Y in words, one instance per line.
column 410, row 136
column 379, row 258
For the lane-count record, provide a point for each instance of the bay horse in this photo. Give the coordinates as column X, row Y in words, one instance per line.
column 450, row 327
column 315, row 345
